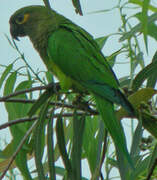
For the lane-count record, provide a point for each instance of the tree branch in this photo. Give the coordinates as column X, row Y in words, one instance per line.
column 51, row 85
column 28, row 119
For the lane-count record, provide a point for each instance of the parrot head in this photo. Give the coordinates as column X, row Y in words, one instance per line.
column 26, row 20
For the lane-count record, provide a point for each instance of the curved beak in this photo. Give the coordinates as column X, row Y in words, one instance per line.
column 14, row 31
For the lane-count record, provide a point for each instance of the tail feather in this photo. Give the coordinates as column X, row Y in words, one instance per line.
column 106, row 110
column 111, row 94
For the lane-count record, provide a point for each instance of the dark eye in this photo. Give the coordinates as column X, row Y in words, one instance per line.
column 20, row 19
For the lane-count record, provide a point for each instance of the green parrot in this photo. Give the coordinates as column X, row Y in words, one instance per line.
column 73, row 56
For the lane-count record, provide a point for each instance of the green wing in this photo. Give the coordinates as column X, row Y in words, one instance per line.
column 78, row 57
column 82, row 61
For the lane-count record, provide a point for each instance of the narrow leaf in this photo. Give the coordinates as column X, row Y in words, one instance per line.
column 143, row 75
column 42, row 99
column 153, row 159
column 78, row 131
column 135, row 146
column 77, row 5
column 101, row 41
column 10, row 82
column 150, row 123
column 50, row 148
column 153, row 77
column 62, row 147
column 5, row 73
column 137, row 28
column 140, row 169
column 140, row 96
column 144, row 22
column 39, row 141
column 140, row 3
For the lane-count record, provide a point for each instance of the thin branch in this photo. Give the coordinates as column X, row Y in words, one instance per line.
column 18, row 149
column 28, row 119
column 26, row 91
column 25, row 61
column 18, row 100
column 32, row 101
column 17, row 121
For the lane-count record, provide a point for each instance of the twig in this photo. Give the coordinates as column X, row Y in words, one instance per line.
column 60, row 104
column 18, row 149
column 25, row 61
column 18, row 100
column 27, row 119
column 26, row 91
column 17, row 121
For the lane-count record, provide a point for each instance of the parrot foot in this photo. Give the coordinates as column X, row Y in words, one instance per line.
column 83, row 105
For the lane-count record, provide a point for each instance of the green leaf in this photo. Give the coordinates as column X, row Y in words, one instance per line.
column 138, row 59
column 143, row 75
column 21, row 162
column 101, row 41
column 10, row 83
column 150, row 123
column 16, row 110
column 78, row 131
column 144, row 22
column 5, row 74
column 77, row 5
column 39, row 141
column 152, row 159
column 135, row 146
column 140, row 96
column 23, row 108
column 153, row 77
column 112, row 58
column 90, row 142
column 137, row 28
column 140, row 3
column 42, row 99
column 50, row 148
column 49, row 77
column 122, row 166
column 8, row 89
column 21, row 111
column 151, row 29
column 62, row 147
column 101, row 140
column 68, row 135
column 124, row 81
column 140, row 169
column 61, row 171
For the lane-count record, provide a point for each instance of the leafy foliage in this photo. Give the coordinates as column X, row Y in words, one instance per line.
column 69, row 127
